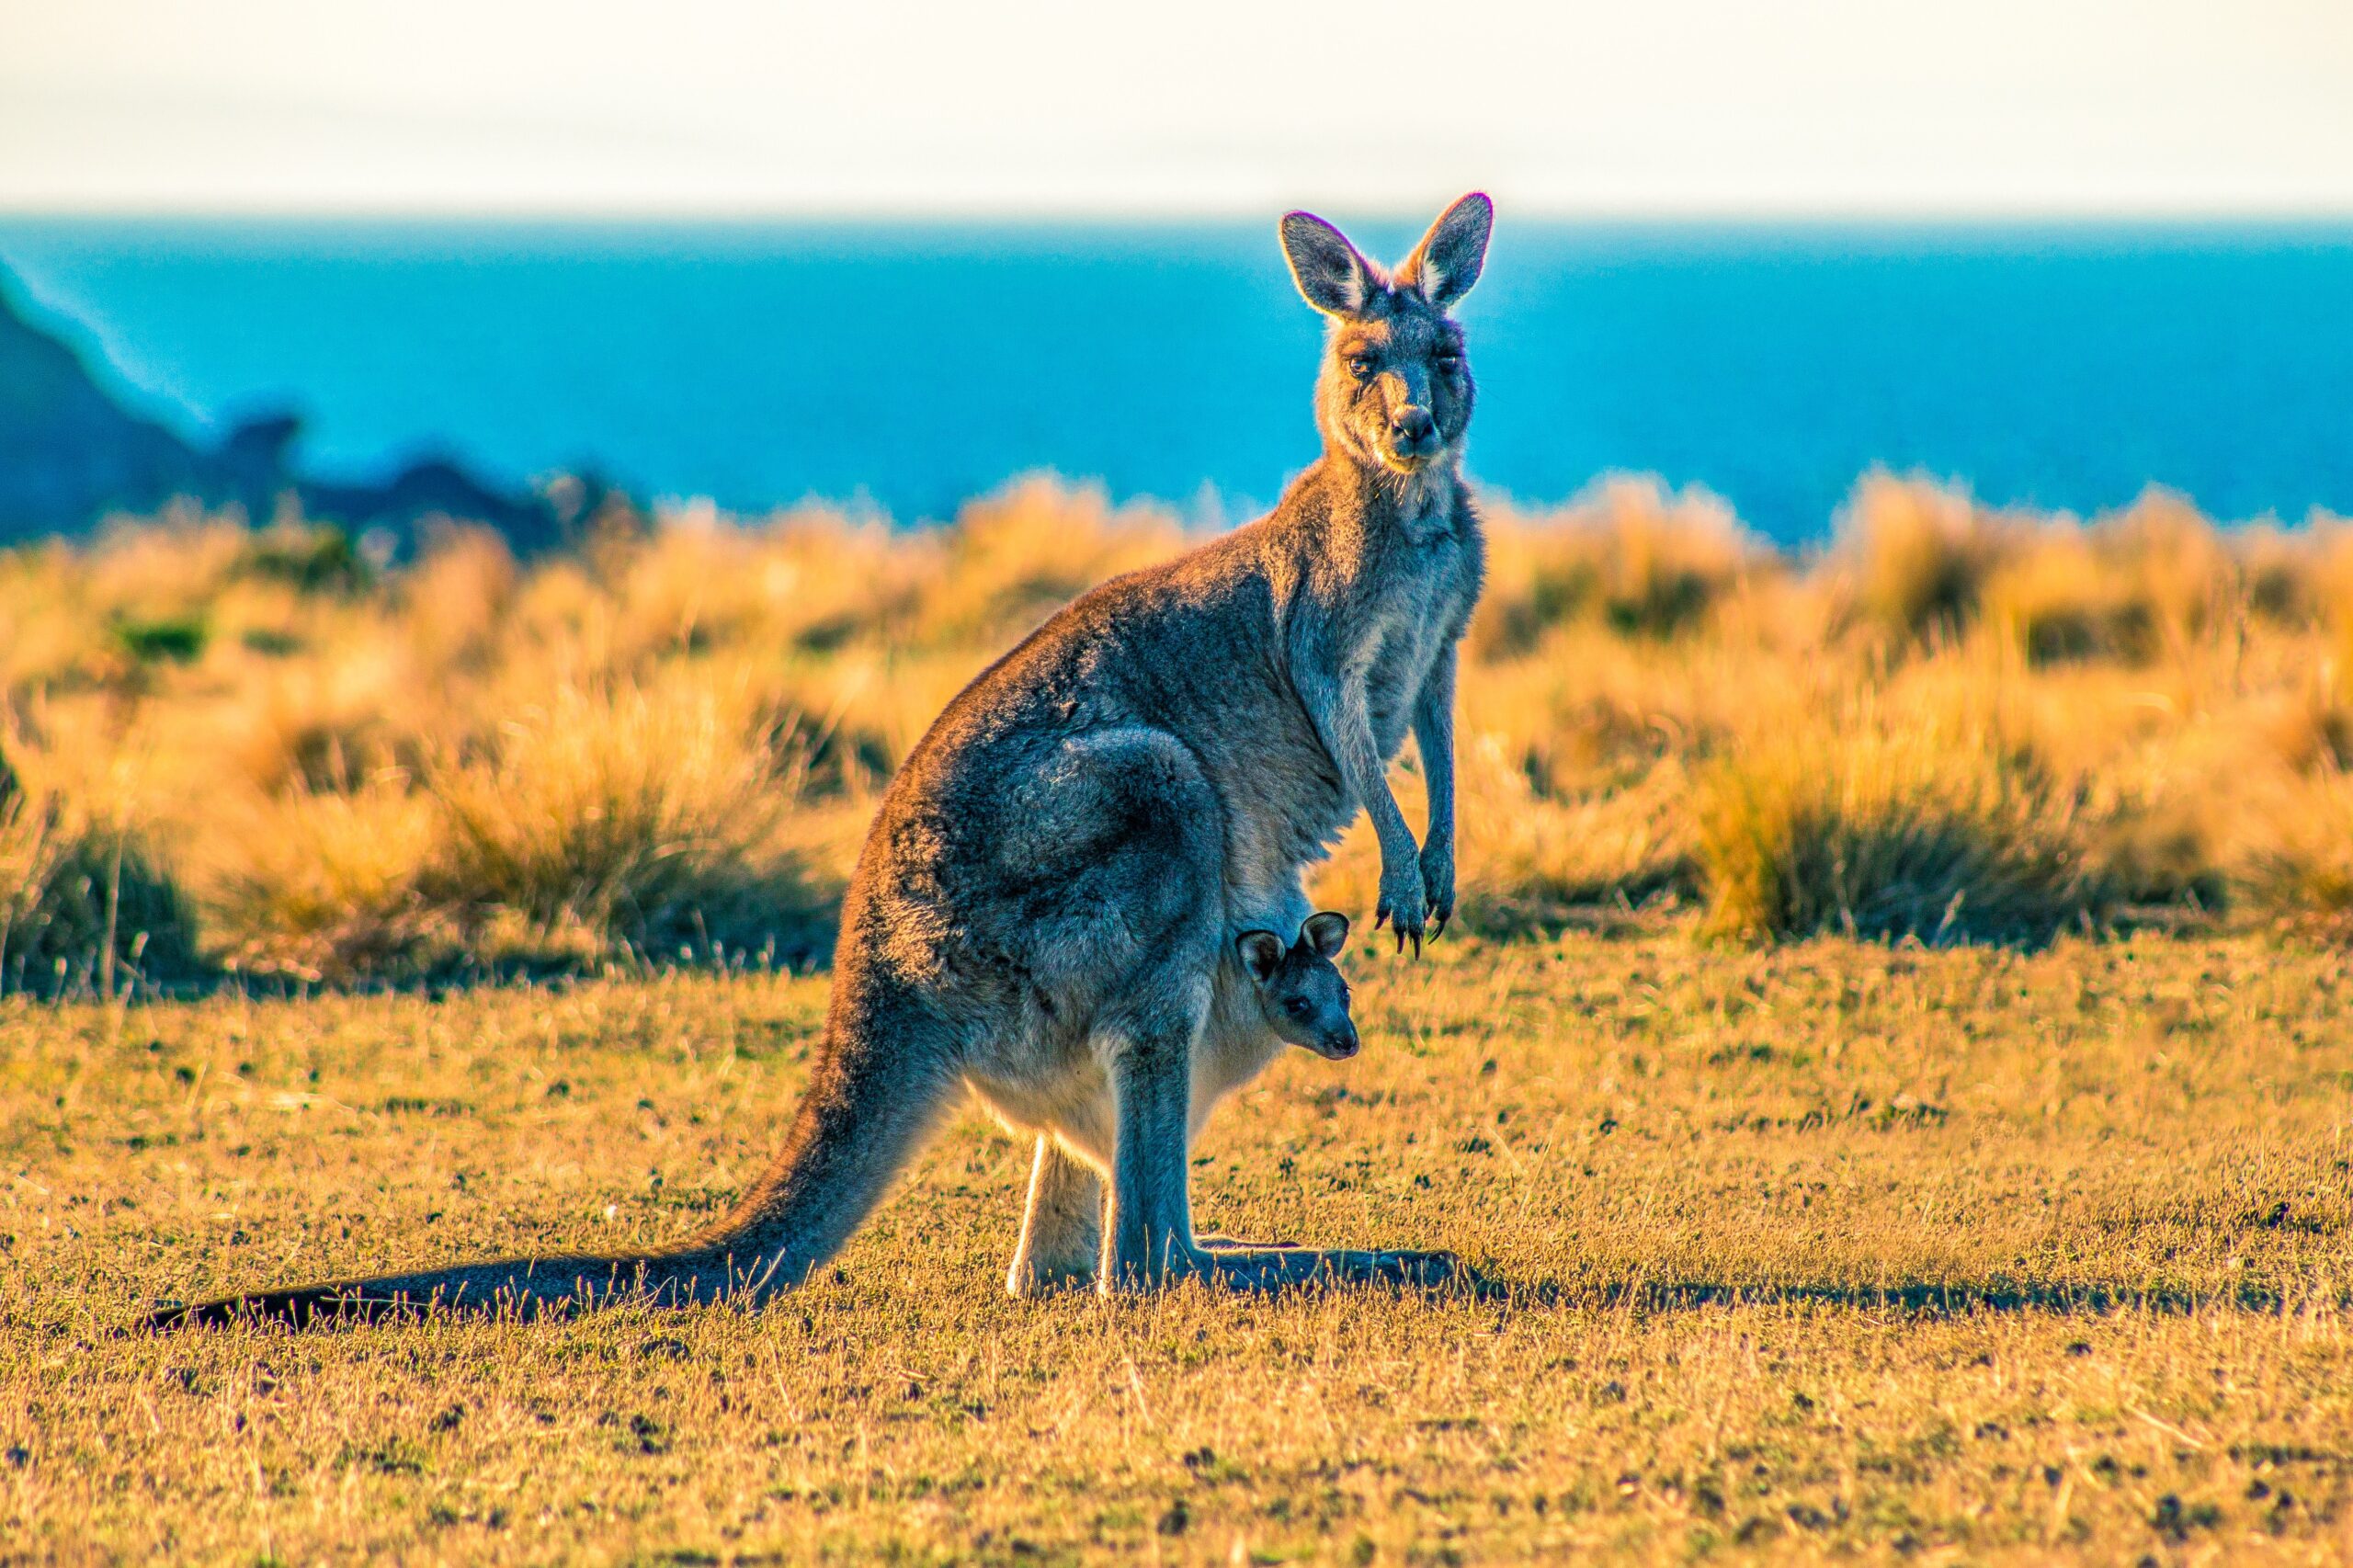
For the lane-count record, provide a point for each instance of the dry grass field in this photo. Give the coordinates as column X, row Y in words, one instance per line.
column 1821, row 1251
column 1891, row 1074
column 254, row 754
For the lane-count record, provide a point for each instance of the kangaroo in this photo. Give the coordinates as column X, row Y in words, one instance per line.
column 1049, row 910
column 1292, row 995
column 1301, row 994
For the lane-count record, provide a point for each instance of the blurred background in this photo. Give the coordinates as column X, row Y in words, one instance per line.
column 499, row 486
column 895, row 254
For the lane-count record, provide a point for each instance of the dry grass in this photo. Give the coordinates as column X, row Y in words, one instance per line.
column 1911, row 558
column 2294, row 859
column 664, row 745
column 643, row 820
column 1627, row 555
column 331, row 887
column 1924, row 825
column 83, row 904
column 1809, row 1253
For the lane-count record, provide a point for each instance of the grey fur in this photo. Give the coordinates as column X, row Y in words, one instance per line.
column 1046, row 910
column 1303, row 999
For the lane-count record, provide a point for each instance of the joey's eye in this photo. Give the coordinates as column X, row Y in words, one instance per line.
column 1297, row 1007
column 1449, row 360
column 1359, row 366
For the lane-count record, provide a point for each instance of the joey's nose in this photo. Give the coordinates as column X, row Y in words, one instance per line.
column 1411, row 427
column 1344, row 1045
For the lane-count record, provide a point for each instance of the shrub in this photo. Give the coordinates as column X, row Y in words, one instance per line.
column 2292, row 863
column 330, row 887
column 1627, row 553
column 641, row 822
column 1924, row 829
column 83, row 903
column 1911, row 557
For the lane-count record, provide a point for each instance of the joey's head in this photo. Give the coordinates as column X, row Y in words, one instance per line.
column 1395, row 392
column 1300, row 989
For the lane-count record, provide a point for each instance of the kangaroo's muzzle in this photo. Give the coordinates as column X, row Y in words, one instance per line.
column 1336, row 1047
column 1413, row 437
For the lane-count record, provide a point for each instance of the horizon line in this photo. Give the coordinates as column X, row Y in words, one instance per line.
column 1115, row 215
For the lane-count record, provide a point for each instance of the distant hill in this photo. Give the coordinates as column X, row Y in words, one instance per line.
column 72, row 453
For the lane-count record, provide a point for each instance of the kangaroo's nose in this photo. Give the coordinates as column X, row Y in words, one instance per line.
column 1411, row 426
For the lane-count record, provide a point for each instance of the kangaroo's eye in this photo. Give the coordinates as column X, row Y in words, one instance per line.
column 1449, row 360
column 1359, row 366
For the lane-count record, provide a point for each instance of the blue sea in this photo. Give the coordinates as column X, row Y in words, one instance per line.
column 907, row 366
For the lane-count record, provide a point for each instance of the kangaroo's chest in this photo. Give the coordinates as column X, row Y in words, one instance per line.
column 1410, row 620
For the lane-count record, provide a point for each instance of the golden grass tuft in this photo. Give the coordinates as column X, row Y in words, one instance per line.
column 2153, row 581
column 1529, row 864
column 647, row 820
column 332, row 887
column 1628, row 554
column 86, row 905
column 1013, row 558
column 1911, row 557
column 2291, row 862
column 1924, row 826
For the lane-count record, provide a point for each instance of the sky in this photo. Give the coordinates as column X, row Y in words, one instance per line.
column 699, row 107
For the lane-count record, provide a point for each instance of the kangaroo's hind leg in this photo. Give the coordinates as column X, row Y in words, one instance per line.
column 1061, row 1225
column 1148, row 1229
column 1148, row 1240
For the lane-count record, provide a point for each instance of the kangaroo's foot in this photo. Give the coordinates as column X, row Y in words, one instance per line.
column 1298, row 1268
column 1290, row 1267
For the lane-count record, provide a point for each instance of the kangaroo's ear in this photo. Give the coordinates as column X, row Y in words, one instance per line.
column 1327, row 933
column 1448, row 261
column 1329, row 272
column 1262, row 954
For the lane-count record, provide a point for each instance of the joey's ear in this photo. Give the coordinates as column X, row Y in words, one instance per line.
column 1262, row 954
column 1447, row 262
column 1327, row 933
column 1329, row 272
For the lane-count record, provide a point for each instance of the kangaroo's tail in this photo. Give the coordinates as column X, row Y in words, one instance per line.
column 868, row 1111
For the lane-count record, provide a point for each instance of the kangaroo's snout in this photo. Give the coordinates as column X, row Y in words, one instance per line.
column 1337, row 1046
column 1413, row 432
